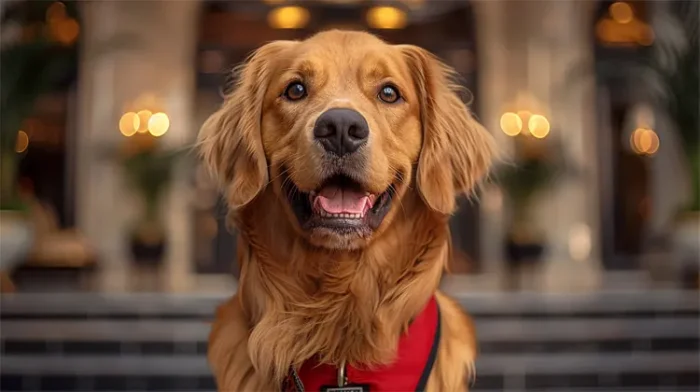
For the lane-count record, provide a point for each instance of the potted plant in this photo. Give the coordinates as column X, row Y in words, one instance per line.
column 38, row 55
column 533, row 170
column 148, row 170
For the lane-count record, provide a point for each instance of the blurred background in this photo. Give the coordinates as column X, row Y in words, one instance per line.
column 579, row 260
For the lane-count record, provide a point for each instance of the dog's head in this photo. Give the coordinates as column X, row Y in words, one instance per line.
column 342, row 127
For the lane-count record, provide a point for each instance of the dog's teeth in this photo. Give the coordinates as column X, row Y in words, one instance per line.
column 340, row 215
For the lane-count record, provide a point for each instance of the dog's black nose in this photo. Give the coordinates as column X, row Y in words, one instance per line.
column 341, row 131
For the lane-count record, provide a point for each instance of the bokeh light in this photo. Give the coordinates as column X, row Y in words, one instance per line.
column 511, row 124
column 385, row 17
column 22, row 142
column 129, row 124
column 66, row 31
column 158, row 124
column 621, row 12
column 61, row 27
column 291, row 17
column 144, row 116
column 538, row 125
column 644, row 141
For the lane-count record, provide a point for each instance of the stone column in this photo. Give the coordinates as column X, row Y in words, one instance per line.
column 154, row 54
column 533, row 47
column 494, row 91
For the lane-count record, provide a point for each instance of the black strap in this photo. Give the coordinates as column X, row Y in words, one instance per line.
column 423, row 382
column 292, row 383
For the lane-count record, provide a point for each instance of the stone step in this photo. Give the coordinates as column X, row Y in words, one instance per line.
column 530, row 382
column 528, row 342
column 105, row 347
column 494, row 364
column 480, row 305
column 488, row 330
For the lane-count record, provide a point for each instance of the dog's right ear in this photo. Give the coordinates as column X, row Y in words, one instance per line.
column 230, row 141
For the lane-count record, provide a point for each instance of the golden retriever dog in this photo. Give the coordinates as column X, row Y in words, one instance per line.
column 340, row 158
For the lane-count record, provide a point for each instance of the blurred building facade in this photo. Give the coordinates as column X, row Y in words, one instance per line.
column 538, row 57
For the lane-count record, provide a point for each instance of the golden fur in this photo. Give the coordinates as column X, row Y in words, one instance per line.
column 346, row 299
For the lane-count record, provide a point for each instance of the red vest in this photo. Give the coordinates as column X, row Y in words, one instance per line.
column 416, row 354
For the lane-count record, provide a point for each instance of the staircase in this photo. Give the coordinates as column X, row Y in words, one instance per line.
column 639, row 341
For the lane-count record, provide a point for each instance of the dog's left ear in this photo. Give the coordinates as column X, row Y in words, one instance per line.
column 456, row 151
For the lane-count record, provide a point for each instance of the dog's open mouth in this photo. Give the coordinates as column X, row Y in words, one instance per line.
column 339, row 204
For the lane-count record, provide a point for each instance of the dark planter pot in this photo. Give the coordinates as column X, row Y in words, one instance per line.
column 522, row 253
column 522, row 260
column 147, row 254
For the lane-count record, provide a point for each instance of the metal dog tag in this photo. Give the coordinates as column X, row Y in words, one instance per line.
column 346, row 388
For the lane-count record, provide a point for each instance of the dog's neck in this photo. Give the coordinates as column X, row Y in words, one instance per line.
column 345, row 307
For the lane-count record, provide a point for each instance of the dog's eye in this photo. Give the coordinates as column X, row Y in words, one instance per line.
column 295, row 91
column 389, row 94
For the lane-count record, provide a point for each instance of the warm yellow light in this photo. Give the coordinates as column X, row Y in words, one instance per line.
column 623, row 28
column 129, row 124
column 511, row 124
column 621, row 12
column 634, row 143
column 66, row 31
column 158, row 124
column 386, row 17
column 644, row 141
column 291, row 17
column 538, row 125
column 144, row 116
column 655, row 143
column 22, row 142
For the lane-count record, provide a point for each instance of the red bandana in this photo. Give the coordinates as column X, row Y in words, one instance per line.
column 415, row 357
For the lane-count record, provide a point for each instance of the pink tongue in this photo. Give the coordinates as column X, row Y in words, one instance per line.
column 337, row 201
